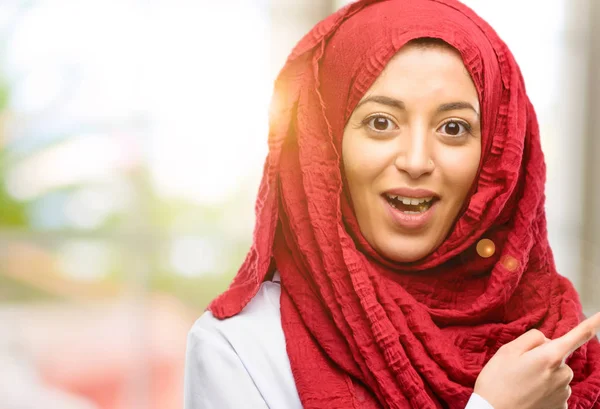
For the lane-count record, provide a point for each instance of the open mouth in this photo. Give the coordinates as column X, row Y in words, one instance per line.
column 410, row 205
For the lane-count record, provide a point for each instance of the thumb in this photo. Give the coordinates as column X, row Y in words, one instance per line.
column 528, row 341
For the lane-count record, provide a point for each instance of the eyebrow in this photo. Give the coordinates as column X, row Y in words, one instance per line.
column 396, row 103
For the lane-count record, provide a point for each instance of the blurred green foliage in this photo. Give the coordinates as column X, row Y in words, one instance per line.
column 153, row 220
column 12, row 212
column 195, row 293
column 12, row 290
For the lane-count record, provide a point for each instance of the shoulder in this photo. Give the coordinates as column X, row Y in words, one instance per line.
column 255, row 334
column 261, row 312
column 250, row 345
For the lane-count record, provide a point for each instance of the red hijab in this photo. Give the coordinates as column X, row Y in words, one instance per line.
column 362, row 331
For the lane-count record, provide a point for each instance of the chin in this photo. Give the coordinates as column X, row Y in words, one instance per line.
column 406, row 258
column 405, row 252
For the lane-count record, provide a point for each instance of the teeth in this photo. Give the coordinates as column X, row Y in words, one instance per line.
column 411, row 200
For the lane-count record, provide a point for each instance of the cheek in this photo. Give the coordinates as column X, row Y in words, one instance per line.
column 364, row 159
column 363, row 165
column 459, row 167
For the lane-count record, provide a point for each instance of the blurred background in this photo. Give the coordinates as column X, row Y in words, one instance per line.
column 132, row 137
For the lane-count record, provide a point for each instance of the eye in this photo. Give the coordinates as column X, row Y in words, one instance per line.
column 380, row 123
column 455, row 128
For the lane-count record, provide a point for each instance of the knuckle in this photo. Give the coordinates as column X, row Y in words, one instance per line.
column 537, row 335
column 564, row 394
column 591, row 333
column 564, row 375
column 569, row 375
column 552, row 359
column 504, row 348
column 588, row 332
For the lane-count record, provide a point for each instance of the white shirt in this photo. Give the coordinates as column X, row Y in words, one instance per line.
column 241, row 362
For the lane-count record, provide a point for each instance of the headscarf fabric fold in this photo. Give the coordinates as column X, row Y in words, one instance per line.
column 362, row 331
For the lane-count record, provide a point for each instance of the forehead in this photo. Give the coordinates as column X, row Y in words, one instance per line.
column 430, row 70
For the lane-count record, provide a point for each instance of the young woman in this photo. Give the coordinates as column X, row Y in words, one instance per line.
column 400, row 255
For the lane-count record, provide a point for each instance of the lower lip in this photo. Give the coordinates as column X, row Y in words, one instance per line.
column 407, row 220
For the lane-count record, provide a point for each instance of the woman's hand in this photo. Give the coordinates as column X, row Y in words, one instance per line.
column 530, row 372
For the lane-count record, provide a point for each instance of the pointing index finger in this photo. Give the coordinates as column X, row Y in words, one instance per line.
column 578, row 336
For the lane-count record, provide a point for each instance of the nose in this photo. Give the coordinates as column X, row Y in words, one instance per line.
column 414, row 154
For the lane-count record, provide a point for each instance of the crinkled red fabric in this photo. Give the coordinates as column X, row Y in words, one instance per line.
column 364, row 332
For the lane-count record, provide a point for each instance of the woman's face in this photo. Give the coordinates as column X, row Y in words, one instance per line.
column 411, row 151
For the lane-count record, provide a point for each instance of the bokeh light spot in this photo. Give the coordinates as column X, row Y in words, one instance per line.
column 486, row 248
column 510, row 263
